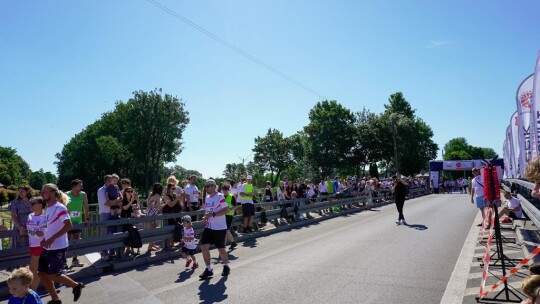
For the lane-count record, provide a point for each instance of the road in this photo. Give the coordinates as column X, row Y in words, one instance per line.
column 360, row 258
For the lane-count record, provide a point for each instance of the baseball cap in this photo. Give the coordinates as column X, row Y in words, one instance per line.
column 210, row 182
column 186, row 218
column 475, row 169
column 249, row 177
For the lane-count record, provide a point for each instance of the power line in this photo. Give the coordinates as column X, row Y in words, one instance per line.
column 232, row 47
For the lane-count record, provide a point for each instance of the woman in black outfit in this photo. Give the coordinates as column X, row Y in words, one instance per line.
column 129, row 199
column 171, row 206
column 400, row 192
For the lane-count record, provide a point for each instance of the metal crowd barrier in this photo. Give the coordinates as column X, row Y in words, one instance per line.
column 95, row 242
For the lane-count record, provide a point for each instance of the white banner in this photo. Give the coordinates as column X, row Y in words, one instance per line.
column 515, row 145
column 523, row 101
column 535, row 109
column 511, row 163
column 505, row 158
column 459, row 165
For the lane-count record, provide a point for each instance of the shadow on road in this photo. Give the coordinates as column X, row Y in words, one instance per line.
column 213, row 293
column 185, row 275
column 252, row 243
column 417, row 226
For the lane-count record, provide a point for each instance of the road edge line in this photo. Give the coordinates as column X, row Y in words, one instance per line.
column 455, row 289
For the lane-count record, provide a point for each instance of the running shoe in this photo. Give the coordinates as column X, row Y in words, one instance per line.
column 226, row 270
column 403, row 222
column 398, row 222
column 77, row 291
column 188, row 262
column 233, row 245
column 195, row 266
column 206, row 274
column 54, row 302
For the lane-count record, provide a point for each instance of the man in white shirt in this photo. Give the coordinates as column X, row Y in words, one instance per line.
column 191, row 194
column 104, row 206
column 215, row 231
column 477, row 191
column 55, row 243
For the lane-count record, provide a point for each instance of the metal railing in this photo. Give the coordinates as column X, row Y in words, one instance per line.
column 94, row 240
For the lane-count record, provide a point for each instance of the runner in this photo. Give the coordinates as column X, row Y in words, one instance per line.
column 400, row 192
column 78, row 202
column 231, row 203
column 36, row 225
column 55, row 243
column 215, row 230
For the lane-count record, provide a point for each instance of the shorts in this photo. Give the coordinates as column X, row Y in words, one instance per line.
column 194, row 206
column 248, row 210
column 513, row 215
column 229, row 219
column 52, row 261
column 188, row 251
column 215, row 237
column 480, row 202
column 35, row 251
column 74, row 231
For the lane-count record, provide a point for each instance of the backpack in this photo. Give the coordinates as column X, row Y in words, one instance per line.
column 134, row 238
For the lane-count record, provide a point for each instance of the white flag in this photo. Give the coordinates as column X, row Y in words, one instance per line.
column 535, row 109
column 510, row 150
column 523, row 101
column 515, row 145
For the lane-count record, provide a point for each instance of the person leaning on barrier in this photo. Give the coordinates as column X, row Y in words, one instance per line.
column 20, row 208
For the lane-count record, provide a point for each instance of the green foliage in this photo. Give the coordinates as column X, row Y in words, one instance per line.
column 12, row 195
column 330, row 137
column 13, row 169
column 134, row 140
column 40, row 178
column 273, row 153
column 179, row 172
column 233, row 171
column 459, row 149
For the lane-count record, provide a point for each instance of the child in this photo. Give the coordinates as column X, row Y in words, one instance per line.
column 19, row 287
column 189, row 243
column 113, row 193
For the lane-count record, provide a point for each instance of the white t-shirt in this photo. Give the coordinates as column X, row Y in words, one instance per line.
column 478, row 186
column 190, row 233
column 215, row 204
column 102, row 199
column 34, row 224
column 193, row 192
column 240, row 188
column 55, row 216
column 514, row 203
column 323, row 187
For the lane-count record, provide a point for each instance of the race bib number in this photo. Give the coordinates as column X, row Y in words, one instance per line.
column 75, row 214
column 268, row 197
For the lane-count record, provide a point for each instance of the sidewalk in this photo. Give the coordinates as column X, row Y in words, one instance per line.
column 519, row 242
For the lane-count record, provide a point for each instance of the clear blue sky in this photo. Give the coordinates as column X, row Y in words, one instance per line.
column 64, row 63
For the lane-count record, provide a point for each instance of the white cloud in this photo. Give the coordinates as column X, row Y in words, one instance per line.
column 440, row 43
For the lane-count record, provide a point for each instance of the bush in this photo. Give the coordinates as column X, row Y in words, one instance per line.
column 12, row 195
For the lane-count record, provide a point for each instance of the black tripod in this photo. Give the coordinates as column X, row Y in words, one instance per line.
column 504, row 294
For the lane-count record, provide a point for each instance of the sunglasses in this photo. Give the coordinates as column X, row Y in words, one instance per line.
column 129, row 191
column 208, row 186
column 35, row 203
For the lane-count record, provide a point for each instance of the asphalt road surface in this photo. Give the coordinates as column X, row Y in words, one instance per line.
column 361, row 258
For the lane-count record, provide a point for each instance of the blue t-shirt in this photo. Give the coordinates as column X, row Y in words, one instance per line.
column 30, row 298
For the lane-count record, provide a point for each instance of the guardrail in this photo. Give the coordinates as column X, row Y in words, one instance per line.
column 19, row 256
column 522, row 190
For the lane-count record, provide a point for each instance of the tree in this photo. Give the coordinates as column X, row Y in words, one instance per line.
column 459, row 149
column 273, row 153
column 134, row 140
column 14, row 170
column 40, row 178
column 330, row 137
column 414, row 138
column 179, row 172
column 234, row 171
